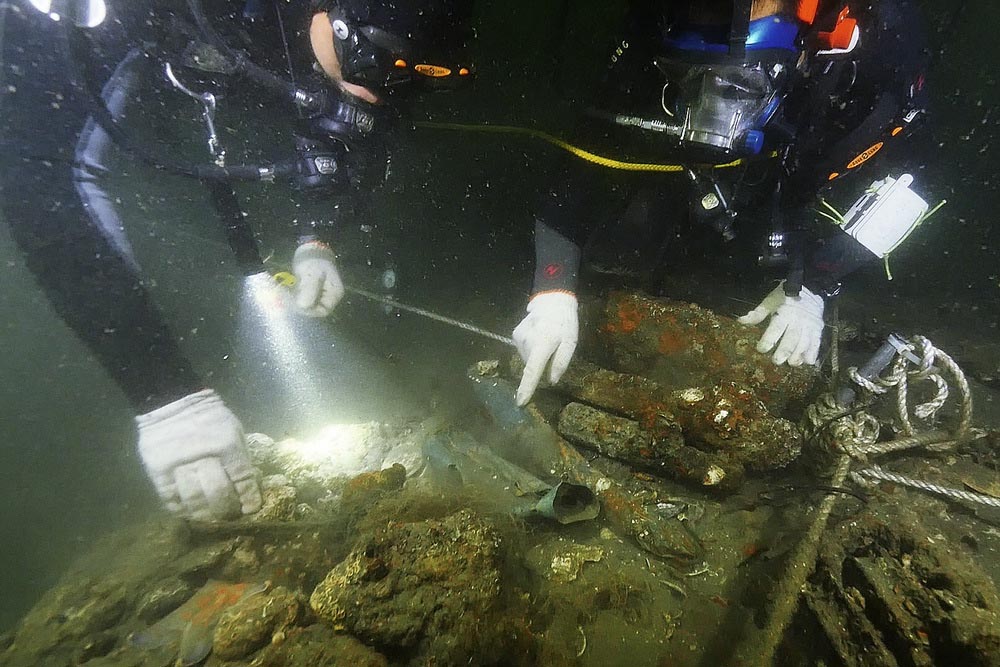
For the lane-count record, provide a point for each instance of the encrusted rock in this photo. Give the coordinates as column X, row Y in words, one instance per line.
column 167, row 596
column 427, row 588
column 318, row 646
column 368, row 488
column 256, row 621
column 202, row 560
column 278, row 500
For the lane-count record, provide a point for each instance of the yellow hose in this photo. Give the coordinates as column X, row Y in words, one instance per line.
column 578, row 152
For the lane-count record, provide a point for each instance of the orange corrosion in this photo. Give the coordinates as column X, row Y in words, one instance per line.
column 671, row 343
column 626, row 320
column 211, row 601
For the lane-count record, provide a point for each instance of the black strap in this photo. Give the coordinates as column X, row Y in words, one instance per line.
column 886, row 109
column 739, row 29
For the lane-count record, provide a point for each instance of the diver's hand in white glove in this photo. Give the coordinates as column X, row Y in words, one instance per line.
column 195, row 454
column 318, row 285
column 796, row 325
column 546, row 337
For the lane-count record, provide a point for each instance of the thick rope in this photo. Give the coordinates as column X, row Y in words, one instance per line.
column 876, row 472
column 856, row 435
column 900, row 376
column 800, row 567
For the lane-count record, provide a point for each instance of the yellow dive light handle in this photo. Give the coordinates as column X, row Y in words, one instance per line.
column 284, row 278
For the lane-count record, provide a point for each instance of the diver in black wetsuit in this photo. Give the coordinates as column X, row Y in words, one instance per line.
column 64, row 109
column 813, row 98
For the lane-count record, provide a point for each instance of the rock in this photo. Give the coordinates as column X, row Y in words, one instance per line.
column 279, row 500
column 368, row 488
column 254, row 622
column 428, row 589
column 201, row 561
column 318, row 646
column 243, row 563
column 99, row 611
column 167, row 596
column 95, row 646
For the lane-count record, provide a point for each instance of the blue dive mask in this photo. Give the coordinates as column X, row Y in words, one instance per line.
column 726, row 94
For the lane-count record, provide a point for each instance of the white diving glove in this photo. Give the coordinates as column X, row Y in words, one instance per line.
column 796, row 325
column 546, row 337
column 318, row 285
column 195, row 454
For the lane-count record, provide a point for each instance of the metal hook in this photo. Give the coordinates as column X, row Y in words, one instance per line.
column 207, row 101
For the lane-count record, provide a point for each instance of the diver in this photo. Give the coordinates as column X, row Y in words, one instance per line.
column 773, row 109
column 80, row 67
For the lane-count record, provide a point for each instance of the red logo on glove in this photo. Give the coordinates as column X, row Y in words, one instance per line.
column 553, row 271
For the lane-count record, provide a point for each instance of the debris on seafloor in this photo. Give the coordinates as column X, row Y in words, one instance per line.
column 430, row 588
column 361, row 492
column 885, row 583
column 679, row 345
column 688, row 397
column 705, row 436
column 525, row 436
column 188, row 631
column 562, row 562
column 320, row 464
column 456, row 461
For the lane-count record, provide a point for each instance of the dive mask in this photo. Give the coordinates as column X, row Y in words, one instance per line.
column 382, row 60
column 722, row 100
column 724, row 107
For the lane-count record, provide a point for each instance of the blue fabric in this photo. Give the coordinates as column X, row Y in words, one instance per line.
column 769, row 32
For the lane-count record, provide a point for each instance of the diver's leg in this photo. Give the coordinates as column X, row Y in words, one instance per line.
column 92, row 286
column 75, row 245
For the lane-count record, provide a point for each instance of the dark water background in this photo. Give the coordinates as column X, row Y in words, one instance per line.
column 458, row 229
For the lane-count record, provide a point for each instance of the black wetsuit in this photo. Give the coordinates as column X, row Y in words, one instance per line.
column 59, row 215
column 54, row 157
column 838, row 109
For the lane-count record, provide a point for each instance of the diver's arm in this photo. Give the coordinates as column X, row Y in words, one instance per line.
column 546, row 338
column 831, row 261
column 891, row 141
column 557, row 261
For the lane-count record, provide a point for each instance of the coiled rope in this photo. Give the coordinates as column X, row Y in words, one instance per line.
column 853, row 436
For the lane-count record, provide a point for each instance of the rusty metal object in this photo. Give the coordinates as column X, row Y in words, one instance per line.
column 663, row 537
column 526, row 438
column 679, row 344
column 614, row 437
column 624, row 439
column 723, row 425
column 729, row 418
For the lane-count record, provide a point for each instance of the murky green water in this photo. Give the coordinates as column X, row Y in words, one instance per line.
column 457, row 230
